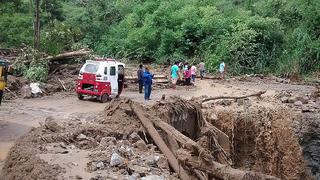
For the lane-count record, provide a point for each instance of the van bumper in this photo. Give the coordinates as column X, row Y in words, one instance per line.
column 88, row 92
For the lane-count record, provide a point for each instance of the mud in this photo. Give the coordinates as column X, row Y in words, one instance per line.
column 262, row 139
column 307, row 127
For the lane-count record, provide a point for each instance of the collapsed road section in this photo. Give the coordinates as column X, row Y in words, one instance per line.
column 173, row 139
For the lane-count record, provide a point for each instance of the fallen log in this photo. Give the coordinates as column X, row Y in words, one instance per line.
column 160, row 142
column 66, row 55
column 218, row 170
column 258, row 94
column 209, row 77
column 184, row 140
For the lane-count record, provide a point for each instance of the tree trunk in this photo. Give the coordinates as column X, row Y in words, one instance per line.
column 258, row 94
column 37, row 25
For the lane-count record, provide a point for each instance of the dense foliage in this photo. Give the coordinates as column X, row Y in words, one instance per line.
column 251, row 36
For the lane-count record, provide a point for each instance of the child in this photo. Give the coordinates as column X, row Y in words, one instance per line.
column 187, row 75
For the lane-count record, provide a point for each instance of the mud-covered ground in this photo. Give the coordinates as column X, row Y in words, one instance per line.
column 20, row 115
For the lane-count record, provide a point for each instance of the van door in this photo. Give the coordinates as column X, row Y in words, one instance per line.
column 113, row 79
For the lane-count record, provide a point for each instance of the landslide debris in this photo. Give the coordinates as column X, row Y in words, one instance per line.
column 115, row 145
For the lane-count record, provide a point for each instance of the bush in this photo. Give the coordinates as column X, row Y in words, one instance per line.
column 37, row 73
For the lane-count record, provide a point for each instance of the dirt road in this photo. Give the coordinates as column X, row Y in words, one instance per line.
column 19, row 116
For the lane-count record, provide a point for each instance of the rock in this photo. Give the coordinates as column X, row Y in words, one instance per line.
column 63, row 145
column 26, row 91
column 82, row 137
column 307, row 109
column 292, row 99
column 126, row 151
column 298, row 103
column 50, row 124
column 108, row 141
column 142, row 171
column 78, row 177
column 152, row 160
column 163, row 163
column 100, row 165
column 116, row 159
column 280, row 80
column 284, row 99
column 135, row 137
column 141, row 145
column 153, row 177
column 303, row 99
column 132, row 177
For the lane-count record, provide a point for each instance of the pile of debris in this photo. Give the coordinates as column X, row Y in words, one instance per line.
column 304, row 103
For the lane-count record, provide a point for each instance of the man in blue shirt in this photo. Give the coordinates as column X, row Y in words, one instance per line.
column 147, row 82
column 175, row 74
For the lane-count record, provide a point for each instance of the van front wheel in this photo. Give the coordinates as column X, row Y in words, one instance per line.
column 104, row 98
column 80, row 96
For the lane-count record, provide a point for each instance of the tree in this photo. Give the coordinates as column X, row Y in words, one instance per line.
column 37, row 25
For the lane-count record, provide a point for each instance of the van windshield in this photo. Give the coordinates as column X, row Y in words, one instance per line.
column 91, row 68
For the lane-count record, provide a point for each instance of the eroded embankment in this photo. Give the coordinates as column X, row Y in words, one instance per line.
column 307, row 127
column 262, row 139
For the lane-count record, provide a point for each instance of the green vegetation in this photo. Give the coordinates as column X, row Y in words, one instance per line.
column 251, row 36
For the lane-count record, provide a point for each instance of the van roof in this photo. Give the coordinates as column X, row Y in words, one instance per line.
column 104, row 60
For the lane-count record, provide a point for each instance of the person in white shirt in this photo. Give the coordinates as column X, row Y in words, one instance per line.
column 222, row 68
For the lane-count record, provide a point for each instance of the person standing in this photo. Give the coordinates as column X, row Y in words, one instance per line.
column 202, row 69
column 140, row 78
column 175, row 75
column 147, row 82
column 193, row 73
column 222, row 68
column 188, row 75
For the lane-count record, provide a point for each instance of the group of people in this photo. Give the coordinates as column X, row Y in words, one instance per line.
column 189, row 72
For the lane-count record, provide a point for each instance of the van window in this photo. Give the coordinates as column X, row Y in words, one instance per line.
column 91, row 68
column 106, row 70
column 112, row 71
